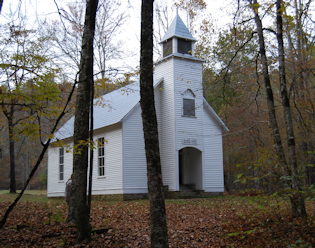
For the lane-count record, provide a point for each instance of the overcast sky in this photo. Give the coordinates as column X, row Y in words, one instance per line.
column 130, row 33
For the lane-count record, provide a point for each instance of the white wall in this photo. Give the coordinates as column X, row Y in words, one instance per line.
column 188, row 75
column 213, row 154
column 167, row 123
column 55, row 187
column 111, row 183
column 135, row 167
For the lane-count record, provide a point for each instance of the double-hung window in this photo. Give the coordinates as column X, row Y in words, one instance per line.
column 101, row 157
column 61, row 164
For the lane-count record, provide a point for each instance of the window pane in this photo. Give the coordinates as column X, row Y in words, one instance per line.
column 101, row 158
column 61, row 172
column 101, row 142
column 101, row 171
column 189, row 107
column 101, row 162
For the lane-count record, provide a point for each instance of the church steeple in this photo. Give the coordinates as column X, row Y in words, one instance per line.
column 178, row 39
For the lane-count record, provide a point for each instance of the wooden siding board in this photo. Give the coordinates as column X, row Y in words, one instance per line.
column 213, row 154
column 113, row 159
column 167, row 123
column 54, row 185
column 113, row 164
column 135, row 168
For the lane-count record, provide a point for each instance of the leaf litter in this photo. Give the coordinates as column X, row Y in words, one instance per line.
column 207, row 222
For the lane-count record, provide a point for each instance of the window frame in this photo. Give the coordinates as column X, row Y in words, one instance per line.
column 101, row 156
column 192, row 112
column 61, row 164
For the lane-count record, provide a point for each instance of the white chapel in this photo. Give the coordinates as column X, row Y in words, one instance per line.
column 190, row 132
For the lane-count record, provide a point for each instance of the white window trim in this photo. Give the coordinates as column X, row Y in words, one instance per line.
column 61, row 163
column 102, row 156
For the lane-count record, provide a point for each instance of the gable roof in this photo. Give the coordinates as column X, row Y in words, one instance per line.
column 109, row 109
column 178, row 29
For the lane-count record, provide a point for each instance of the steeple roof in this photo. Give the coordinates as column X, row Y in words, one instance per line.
column 178, row 29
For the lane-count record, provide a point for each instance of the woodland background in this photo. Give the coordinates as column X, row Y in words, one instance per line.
column 39, row 60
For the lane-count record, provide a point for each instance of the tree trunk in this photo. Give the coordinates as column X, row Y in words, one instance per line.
column 158, row 225
column 78, row 209
column 12, row 158
column 9, row 115
column 1, row 3
column 269, row 96
column 297, row 200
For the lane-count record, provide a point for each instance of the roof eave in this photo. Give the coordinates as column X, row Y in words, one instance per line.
column 158, row 82
column 224, row 127
column 179, row 55
column 177, row 36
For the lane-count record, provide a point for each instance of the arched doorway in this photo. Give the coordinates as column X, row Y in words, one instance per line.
column 190, row 168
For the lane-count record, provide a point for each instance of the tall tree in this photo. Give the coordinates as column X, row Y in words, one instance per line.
column 67, row 36
column 79, row 206
column 297, row 200
column 26, row 84
column 158, row 225
column 40, row 157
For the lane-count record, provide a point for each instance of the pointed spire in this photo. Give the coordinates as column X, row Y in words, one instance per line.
column 178, row 29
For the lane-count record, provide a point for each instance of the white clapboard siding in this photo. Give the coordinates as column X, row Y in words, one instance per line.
column 188, row 84
column 213, row 153
column 166, row 124
column 111, row 182
column 157, row 98
column 55, row 187
column 135, row 168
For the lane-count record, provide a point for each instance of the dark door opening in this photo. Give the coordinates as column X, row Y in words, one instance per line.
column 190, row 168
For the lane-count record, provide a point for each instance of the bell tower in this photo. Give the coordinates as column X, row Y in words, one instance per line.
column 180, row 100
column 178, row 39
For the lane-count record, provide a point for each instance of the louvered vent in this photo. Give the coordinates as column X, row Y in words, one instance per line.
column 184, row 46
column 167, row 48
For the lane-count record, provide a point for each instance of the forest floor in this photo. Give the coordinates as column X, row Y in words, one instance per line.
column 228, row 221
